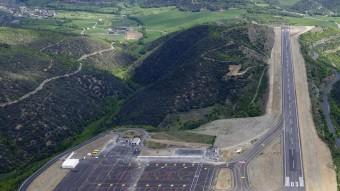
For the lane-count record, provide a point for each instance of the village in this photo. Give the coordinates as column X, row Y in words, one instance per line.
column 23, row 11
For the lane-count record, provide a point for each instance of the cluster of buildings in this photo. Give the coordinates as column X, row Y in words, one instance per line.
column 24, row 11
column 128, row 32
column 118, row 30
column 135, row 141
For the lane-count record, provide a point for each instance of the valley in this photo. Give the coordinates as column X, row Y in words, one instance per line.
column 200, row 83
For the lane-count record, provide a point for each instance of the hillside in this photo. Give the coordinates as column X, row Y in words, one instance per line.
column 329, row 7
column 181, row 4
column 204, row 66
column 320, row 48
column 335, row 109
column 49, row 94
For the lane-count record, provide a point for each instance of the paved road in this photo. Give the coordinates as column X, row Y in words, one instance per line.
column 293, row 165
column 240, row 165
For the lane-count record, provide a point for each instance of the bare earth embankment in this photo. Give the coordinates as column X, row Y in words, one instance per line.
column 265, row 170
column 239, row 133
column 317, row 161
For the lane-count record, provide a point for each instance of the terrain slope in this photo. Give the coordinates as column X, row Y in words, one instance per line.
column 317, row 161
column 49, row 93
column 202, row 67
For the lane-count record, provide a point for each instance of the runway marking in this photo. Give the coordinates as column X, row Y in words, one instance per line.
column 302, row 184
column 287, row 181
column 196, row 176
column 292, row 184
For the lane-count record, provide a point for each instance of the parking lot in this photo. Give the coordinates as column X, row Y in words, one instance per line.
column 116, row 169
column 112, row 171
column 176, row 176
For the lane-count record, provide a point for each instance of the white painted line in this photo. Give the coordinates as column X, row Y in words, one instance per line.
column 292, row 184
column 302, row 184
column 287, row 181
column 297, row 184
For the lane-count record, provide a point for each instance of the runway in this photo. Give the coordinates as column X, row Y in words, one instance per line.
column 293, row 165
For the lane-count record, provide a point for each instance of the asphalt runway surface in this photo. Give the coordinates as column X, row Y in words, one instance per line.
column 116, row 171
column 293, row 165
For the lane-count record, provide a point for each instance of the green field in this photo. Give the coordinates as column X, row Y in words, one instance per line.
column 95, row 25
column 156, row 21
column 288, row 2
column 321, row 21
column 160, row 21
column 313, row 21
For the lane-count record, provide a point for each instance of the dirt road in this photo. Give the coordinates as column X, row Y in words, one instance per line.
column 67, row 75
column 319, row 176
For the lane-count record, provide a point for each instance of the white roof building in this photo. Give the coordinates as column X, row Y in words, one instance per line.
column 70, row 163
column 136, row 141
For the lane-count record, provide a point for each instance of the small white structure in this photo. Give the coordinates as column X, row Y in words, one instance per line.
column 238, row 151
column 70, row 163
column 135, row 141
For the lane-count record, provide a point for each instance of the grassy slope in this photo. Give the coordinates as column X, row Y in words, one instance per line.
column 166, row 20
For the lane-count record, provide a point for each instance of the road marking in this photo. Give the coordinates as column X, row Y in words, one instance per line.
column 297, row 184
column 292, row 184
column 301, row 182
column 287, row 181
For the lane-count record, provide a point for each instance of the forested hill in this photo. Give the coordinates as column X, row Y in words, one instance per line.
column 204, row 66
